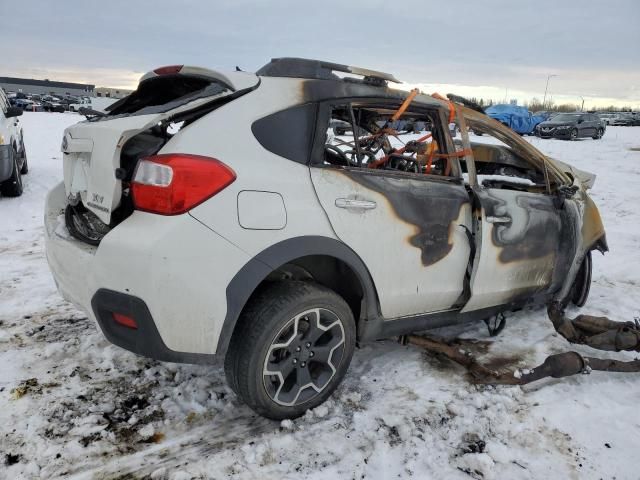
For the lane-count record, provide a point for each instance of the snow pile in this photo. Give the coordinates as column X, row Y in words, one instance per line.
column 74, row 406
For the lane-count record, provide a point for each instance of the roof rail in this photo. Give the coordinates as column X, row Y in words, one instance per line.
column 321, row 70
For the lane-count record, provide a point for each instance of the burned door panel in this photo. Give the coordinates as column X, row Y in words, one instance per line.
column 409, row 231
column 522, row 244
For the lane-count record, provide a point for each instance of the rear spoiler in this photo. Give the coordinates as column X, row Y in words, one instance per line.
column 318, row 69
column 232, row 80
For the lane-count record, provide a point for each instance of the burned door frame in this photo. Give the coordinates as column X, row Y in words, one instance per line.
column 525, row 240
column 417, row 269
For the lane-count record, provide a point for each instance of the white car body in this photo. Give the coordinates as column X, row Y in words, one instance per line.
column 11, row 140
column 186, row 278
column 10, row 129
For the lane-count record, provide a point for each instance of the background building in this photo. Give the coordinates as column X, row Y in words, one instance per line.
column 112, row 92
column 46, row 87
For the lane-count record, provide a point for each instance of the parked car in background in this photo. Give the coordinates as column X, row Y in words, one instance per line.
column 624, row 120
column 571, row 126
column 53, row 106
column 22, row 103
column 28, row 105
column 545, row 114
column 13, row 156
column 518, row 119
column 607, row 118
column 84, row 102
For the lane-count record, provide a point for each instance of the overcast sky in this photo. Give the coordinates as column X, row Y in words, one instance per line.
column 491, row 48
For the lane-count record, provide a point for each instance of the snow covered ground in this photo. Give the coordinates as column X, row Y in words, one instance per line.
column 74, row 406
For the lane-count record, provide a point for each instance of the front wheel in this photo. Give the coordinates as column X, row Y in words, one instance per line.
column 292, row 347
column 12, row 187
column 574, row 134
column 582, row 283
column 25, row 165
column 598, row 134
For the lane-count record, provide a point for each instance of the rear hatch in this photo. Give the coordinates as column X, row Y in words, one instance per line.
column 100, row 153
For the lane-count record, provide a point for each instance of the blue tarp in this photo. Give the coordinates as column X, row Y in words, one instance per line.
column 519, row 119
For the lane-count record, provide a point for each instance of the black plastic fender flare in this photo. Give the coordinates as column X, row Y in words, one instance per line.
column 261, row 265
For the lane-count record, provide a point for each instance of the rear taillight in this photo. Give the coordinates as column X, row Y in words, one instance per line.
column 170, row 184
column 168, row 70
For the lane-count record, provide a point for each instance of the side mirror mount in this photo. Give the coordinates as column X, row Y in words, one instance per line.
column 13, row 112
column 563, row 193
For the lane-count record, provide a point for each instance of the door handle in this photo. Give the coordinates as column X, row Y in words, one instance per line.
column 498, row 219
column 355, row 204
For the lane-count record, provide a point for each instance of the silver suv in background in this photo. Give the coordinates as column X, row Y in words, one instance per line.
column 13, row 155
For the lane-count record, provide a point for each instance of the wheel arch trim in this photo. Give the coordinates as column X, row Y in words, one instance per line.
column 261, row 265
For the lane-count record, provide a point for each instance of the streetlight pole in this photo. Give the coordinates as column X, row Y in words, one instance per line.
column 582, row 107
column 544, row 101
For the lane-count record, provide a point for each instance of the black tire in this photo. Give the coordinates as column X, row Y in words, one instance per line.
column 25, row 165
column 574, row 134
column 12, row 187
column 582, row 283
column 598, row 134
column 272, row 347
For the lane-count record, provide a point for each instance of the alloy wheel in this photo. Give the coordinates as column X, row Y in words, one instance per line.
column 303, row 357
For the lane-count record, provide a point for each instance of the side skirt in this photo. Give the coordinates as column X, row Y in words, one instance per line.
column 377, row 329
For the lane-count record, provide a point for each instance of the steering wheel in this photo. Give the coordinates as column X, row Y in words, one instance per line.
column 335, row 151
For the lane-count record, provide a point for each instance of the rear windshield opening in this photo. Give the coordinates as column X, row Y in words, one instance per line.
column 160, row 94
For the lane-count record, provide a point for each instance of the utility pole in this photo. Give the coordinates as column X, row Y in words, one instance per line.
column 582, row 107
column 544, row 101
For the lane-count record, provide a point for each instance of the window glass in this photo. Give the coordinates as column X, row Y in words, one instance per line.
column 364, row 135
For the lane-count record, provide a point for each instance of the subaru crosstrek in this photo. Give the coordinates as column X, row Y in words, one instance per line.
column 219, row 214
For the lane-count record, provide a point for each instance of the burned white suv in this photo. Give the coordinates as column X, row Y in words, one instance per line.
column 213, row 213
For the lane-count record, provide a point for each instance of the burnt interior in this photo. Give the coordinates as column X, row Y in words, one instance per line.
column 360, row 135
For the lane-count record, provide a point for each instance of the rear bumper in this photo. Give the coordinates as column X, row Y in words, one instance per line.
column 70, row 260
column 144, row 340
column 171, row 272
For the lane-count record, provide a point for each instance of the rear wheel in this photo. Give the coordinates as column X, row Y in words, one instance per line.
column 582, row 283
column 291, row 348
column 12, row 187
column 598, row 134
column 25, row 166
